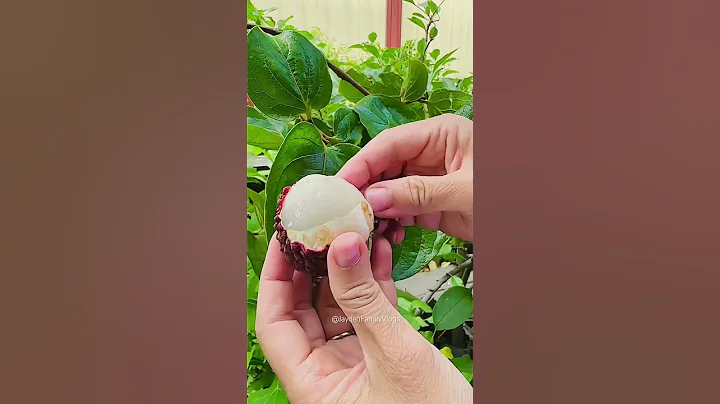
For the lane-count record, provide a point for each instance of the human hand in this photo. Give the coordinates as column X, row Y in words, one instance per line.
column 387, row 361
column 434, row 160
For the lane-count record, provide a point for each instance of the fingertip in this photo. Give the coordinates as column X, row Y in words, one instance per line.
column 354, row 174
column 276, row 266
column 399, row 235
column 382, row 226
column 381, row 258
column 395, row 232
column 346, row 250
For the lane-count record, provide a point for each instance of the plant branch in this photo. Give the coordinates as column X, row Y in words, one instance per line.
column 466, row 273
column 340, row 73
column 457, row 270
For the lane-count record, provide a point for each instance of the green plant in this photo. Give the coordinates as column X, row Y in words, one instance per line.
column 311, row 107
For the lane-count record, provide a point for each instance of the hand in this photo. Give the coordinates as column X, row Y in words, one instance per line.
column 434, row 159
column 386, row 362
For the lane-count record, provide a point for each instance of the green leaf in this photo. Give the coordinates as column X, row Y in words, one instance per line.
column 435, row 53
column 253, row 284
column 428, row 336
column 322, row 126
column 433, row 32
column 465, row 365
column 419, row 304
column 251, row 314
column 448, row 100
column 415, row 82
column 417, row 249
column 437, row 67
column 453, row 308
column 272, row 395
column 378, row 113
column 287, row 75
column 431, row 7
column 446, row 249
column 367, row 48
column 389, row 84
column 258, row 202
column 447, row 352
column 282, row 24
column 257, row 249
column 417, row 22
column 253, row 175
column 401, row 294
column 359, row 77
column 443, row 60
column 302, row 153
column 348, row 91
column 262, row 134
column 256, row 118
column 253, row 223
column 466, row 110
column 433, row 110
column 421, row 46
column 455, row 281
column 372, row 37
column 416, row 322
column 454, row 257
column 347, row 125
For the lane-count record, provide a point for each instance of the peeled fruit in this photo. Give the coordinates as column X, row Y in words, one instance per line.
column 312, row 213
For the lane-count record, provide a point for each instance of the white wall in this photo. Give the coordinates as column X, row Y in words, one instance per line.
column 350, row 21
column 455, row 31
column 343, row 21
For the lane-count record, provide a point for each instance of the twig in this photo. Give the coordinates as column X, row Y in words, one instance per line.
column 341, row 74
column 458, row 269
column 466, row 274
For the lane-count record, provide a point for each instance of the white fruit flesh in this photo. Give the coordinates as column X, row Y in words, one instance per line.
column 318, row 208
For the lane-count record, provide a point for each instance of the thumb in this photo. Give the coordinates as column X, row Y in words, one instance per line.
column 417, row 195
column 359, row 295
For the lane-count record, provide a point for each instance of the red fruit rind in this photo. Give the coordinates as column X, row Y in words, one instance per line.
column 302, row 258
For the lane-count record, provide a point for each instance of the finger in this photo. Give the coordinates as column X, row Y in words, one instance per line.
column 417, row 195
column 360, row 296
column 276, row 326
column 381, row 264
column 388, row 149
column 382, row 226
column 407, row 221
column 393, row 171
column 399, row 235
column 429, row 221
column 333, row 319
column 395, row 232
column 305, row 313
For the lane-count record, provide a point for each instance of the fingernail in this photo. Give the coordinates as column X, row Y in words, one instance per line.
column 379, row 198
column 348, row 255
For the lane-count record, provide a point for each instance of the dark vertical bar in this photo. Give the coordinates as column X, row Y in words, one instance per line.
column 393, row 23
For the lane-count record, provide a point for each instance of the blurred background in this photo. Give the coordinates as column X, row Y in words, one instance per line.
column 347, row 22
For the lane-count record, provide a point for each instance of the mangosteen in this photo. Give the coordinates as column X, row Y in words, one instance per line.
column 312, row 213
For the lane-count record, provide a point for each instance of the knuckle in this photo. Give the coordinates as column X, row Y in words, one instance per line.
column 360, row 295
column 417, row 191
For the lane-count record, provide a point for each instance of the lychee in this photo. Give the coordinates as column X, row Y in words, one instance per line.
column 312, row 213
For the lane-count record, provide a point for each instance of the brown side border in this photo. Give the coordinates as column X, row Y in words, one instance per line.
column 122, row 234
column 597, row 226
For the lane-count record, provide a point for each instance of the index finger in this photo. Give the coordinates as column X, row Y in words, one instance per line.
column 390, row 147
column 282, row 338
